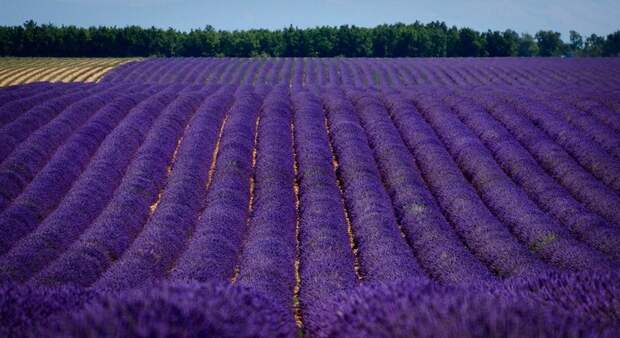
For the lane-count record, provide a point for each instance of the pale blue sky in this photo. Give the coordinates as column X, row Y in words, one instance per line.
column 593, row 16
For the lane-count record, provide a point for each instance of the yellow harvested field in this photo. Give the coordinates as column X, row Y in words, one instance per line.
column 15, row 70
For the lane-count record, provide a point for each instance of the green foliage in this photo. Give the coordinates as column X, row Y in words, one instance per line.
column 611, row 46
column 576, row 42
column 594, row 45
column 527, row 46
column 434, row 39
column 549, row 43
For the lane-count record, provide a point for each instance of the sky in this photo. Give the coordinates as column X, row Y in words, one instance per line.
column 527, row 16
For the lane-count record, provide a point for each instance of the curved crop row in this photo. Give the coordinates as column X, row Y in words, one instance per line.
column 18, row 130
column 481, row 231
column 212, row 250
column 16, row 102
column 78, row 147
column 435, row 244
column 267, row 257
column 20, row 168
column 590, row 155
column 540, row 186
column 384, row 254
column 86, row 199
column 148, row 258
column 543, row 235
column 553, row 158
column 326, row 260
column 107, row 237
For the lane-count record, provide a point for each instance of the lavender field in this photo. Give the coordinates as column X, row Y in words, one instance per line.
column 285, row 197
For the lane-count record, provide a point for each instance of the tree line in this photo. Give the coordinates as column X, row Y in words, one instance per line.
column 433, row 39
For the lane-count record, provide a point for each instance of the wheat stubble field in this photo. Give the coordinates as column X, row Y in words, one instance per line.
column 15, row 71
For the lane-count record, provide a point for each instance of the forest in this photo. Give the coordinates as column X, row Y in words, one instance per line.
column 434, row 39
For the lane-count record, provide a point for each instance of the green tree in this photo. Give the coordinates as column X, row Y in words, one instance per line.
column 594, row 45
column 612, row 44
column 549, row 43
column 527, row 46
column 501, row 43
column 576, row 42
column 469, row 43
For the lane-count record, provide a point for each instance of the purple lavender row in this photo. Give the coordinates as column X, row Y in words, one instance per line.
column 114, row 228
column 585, row 151
column 364, row 73
column 119, row 74
column 176, row 75
column 16, row 92
column 80, row 142
column 326, row 259
column 161, row 70
column 384, row 254
column 298, row 76
column 345, row 72
column 540, row 187
column 198, row 65
column 600, row 110
column 286, row 74
column 241, row 72
column 210, row 76
column 148, row 172
column 396, row 73
column 586, row 124
column 23, row 164
column 47, row 188
column 228, row 73
column 179, row 74
column 603, row 112
column 147, row 70
column 163, row 238
column 213, row 248
column 479, row 229
column 385, row 77
column 46, row 108
column 591, row 116
column 553, row 158
column 115, row 73
column 169, row 72
column 11, row 109
column 167, row 69
column 250, row 77
column 546, row 305
column 152, row 72
column 264, row 71
column 311, row 73
column 543, row 235
column 224, row 70
column 404, row 74
column 332, row 75
column 86, row 199
column 323, row 73
column 274, row 76
column 158, row 245
column 267, row 259
column 437, row 248
column 207, row 73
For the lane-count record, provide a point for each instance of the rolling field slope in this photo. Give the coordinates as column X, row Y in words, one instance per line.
column 323, row 197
